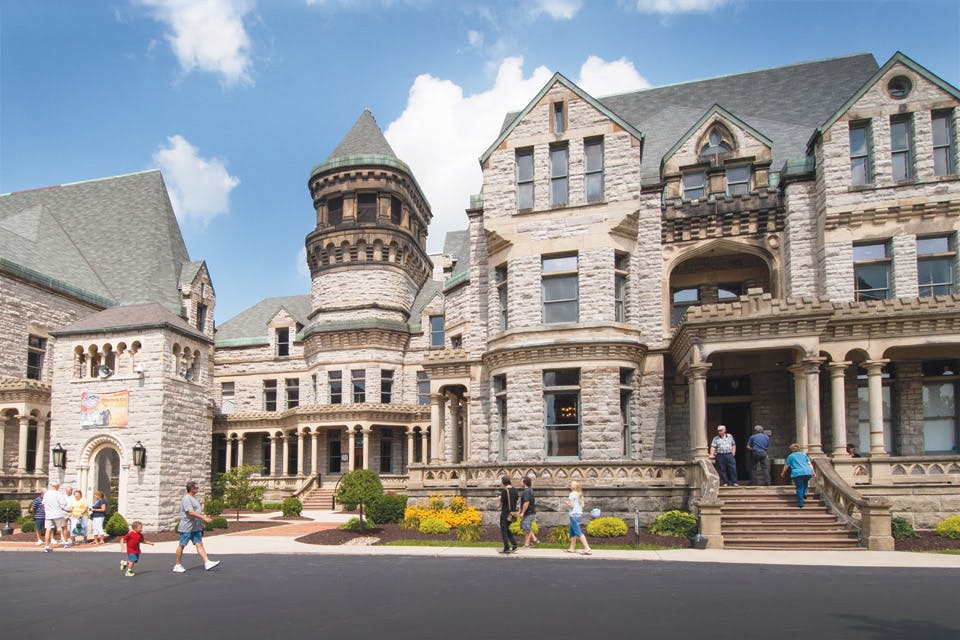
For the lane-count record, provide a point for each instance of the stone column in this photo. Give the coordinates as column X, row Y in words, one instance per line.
column 366, row 446
column 436, row 427
column 811, row 369
column 40, row 466
column 315, row 452
column 410, row 437
column 351, row 439
column 274, row 470
column 240, row 438
column 22, row 452
column 229, row 464
column 424, row 446
column 3, row 441
column 465, row 413
column 299, row 453
column 454, row 415
column 875, row 387
column 285, row 462
column 838, row 407
column 697, row 384
column 799, row 404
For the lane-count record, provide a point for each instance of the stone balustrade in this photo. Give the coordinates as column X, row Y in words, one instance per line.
column 900, row 470
column 869, row 515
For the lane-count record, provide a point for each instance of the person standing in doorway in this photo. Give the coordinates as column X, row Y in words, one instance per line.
column 191, row 528
column 528, row 508
column 723, row 449
column 801, row 470
column 759, row 444
column 98, row 513
column 508, row 507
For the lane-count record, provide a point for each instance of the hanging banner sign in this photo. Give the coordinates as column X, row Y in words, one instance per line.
column 104, row 409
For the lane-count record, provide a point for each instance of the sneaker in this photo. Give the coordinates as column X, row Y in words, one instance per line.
column 210, row 564
column 123, row 566
column 67, row 545
column 178, row 568
column 129, row 573
column 47, row 549
column 39, row 542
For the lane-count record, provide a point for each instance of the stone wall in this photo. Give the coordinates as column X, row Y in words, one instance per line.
column 363, row 291
column 800, row 273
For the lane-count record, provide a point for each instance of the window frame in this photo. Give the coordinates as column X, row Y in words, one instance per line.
column 202, row 310
column 552, row 446
column 559, row 117
column 386, row 386
column 335, row 386
column 423, row 388
column 386, row 451
column 949, row 257
column 282, row 336
column 949, row 146
column 745, row 182
column 501, row 277
column 687, row 190
column 559, row 178
column 867, row 262
column 36, row 356
column 291, row 387
column 593, row 173
column 866, row 157
column 521, row 156
column 621, row 279
column 228, row 402
column 566, row 274
column 358, row 386
column 437, row 335
column 905, row 152
column 675, row 306
column 335, row 205
column 270, row 395
column 627, row 376
column 499, row 384
column 364, row 209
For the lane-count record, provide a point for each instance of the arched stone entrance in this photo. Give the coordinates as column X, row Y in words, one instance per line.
column 103, row 467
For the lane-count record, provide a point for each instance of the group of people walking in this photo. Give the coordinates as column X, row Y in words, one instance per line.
column 67, row 514
column 523, row 507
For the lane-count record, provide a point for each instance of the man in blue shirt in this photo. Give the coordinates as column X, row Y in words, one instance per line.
column 758, row 444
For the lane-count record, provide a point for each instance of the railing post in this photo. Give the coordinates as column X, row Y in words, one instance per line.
column 877, row 526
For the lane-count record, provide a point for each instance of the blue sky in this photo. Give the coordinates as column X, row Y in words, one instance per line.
column 236, row 100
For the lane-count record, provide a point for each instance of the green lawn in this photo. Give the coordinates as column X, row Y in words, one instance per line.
column 544, row 545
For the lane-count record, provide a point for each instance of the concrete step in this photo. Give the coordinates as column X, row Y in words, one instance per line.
column 318, row 499
column 799, row 545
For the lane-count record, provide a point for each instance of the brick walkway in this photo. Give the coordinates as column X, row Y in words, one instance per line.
column 288, row 530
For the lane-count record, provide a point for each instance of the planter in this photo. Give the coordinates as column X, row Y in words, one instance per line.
column 698, row 542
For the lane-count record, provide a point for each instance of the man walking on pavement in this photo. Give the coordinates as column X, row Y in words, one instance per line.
column 759, row 444
column 191, row 528
column 528, row 508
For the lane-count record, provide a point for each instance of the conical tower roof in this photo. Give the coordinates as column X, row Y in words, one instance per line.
column 364, row 138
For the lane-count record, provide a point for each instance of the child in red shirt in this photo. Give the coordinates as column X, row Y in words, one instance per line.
column 131, row 542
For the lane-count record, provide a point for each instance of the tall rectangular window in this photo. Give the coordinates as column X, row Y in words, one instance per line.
column 560, row 289
column 335, row 211
column 738, row 180
column 386, row 451
column 436, row 331
column 860, row 144
column 561, row 412
column 871, row 269
column 283, row 341
column 626, row 399
column 269, row 395
column 386, row 386
column 293, row 392
column 366, row 207
column 335, row 385
column 227, row 402
column 936, row 265
column 524, row 179
column 694, row 185
column 423, row 388
column 559, row 126
column 500, row 396
column 593, row 167
column 358, row 382
column 559, row 175
column 940, row 425
column 944, row 154
column 201, row 316
column 500, row 275
column 901, row 147
column 620, row 278
column 36, row 353
column 316, row 389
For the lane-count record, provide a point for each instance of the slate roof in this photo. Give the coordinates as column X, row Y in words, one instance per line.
column 363, row 138
column 114, row 238
column 140, row 316
column 786, row 104
column 250, row 326
column 457, row 246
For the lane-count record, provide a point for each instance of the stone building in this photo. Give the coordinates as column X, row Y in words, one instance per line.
column 775, row 247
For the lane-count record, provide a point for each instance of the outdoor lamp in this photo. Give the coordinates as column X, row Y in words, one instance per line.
column 139, row 455
column 59, row 457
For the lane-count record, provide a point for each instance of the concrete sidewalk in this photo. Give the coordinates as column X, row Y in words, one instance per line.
column 282, row 540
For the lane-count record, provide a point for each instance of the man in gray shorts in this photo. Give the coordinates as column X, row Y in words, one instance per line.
column 528, row 509
column 191, row 528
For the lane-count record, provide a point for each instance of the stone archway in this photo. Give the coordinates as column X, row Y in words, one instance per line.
column 103, row 466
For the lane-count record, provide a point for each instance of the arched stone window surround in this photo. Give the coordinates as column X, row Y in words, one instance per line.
column 88, row 453
column 715, row 138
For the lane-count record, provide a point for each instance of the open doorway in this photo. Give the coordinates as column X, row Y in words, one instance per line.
column 106, row 475
column 736, row 417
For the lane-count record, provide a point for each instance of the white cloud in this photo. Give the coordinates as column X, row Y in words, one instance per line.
column 556, row 9
column 303, row 269
column 199, row 187
column 208, row 35
column 679, row 6
column 475, row 38
column 442, row 132
column 600, row 78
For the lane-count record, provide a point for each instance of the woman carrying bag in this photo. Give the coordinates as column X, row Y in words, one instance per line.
column 575, row 506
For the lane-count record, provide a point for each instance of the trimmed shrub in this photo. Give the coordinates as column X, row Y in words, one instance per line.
column 272, row 506
column 388, row 508
column 606, row 527
column 517, row 531
column 219, row 522
column 469, row 532
column 256, row 507
column 9, row 511
column 675, row 523
column 949, row 528
column 291, row 507
column 902, row 529
column 116, row 525
column 355, row 524
column 28, row 527
column 212, row 507
column 560, row 534
column 433, row 525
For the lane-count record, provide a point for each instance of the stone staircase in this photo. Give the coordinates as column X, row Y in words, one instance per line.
column 318, row 499
column 768, row 518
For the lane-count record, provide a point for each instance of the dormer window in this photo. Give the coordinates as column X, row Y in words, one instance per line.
column 283, row 341
column 717, row 145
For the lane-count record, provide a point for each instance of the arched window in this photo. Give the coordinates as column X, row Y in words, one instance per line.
column 718, row 143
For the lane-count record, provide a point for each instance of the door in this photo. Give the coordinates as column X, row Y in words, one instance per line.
column 333, row 449
column 736, row 417
column 358, row 452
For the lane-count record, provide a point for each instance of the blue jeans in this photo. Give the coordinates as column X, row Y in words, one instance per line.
column 801, row 483
column 728, row 468
column 575, row 531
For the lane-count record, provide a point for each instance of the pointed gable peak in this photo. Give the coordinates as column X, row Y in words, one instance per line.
column 364, row 138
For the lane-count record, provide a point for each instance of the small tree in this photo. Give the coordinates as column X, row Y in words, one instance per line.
column 360, row 487
column 236, row 487
column 9, row 512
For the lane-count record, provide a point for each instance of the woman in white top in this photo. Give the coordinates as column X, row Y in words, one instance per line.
column 575, row 504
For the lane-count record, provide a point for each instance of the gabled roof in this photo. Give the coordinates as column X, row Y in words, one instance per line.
column 129, row 318
column 189, row 271
column 896, row 58
column 586, row 97
column 726, row 115
column 249, row 327
column 115, row 238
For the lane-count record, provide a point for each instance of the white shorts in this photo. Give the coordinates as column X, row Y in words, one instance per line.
column 55, row 523
column 96, row 526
